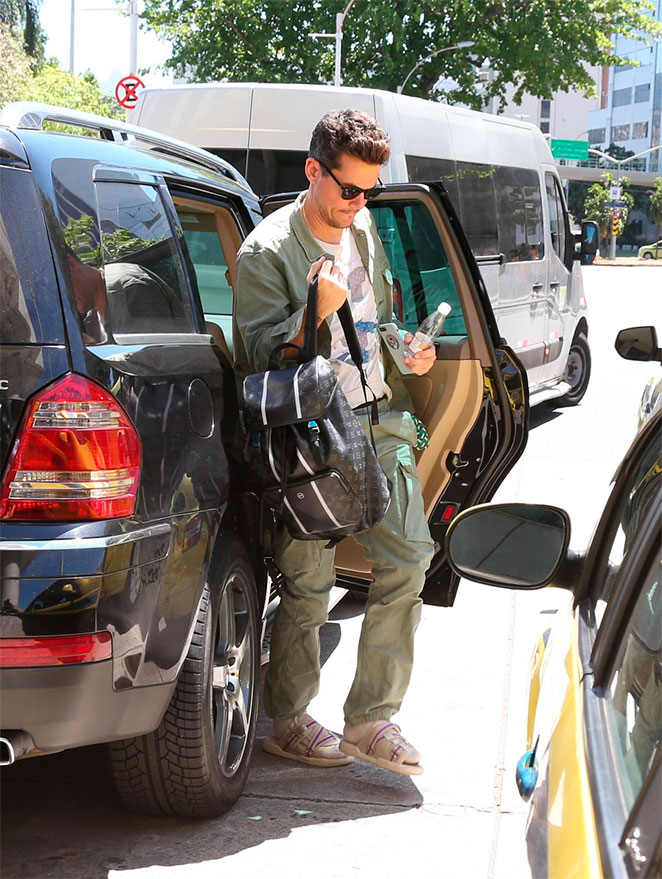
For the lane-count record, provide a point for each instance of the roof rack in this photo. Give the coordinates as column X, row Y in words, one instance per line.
column 32, row 115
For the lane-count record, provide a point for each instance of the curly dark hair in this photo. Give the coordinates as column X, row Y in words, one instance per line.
column 349, row 132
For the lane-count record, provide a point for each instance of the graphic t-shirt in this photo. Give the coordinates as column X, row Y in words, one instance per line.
column 364, row 311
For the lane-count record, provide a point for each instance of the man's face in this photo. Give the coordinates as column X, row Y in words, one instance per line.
column 325, row 193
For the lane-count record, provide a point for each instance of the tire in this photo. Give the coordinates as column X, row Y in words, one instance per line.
column 648, row 255
column 577, row 371
column 195, row 764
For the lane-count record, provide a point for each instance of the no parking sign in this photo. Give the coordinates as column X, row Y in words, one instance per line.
column 126, row 91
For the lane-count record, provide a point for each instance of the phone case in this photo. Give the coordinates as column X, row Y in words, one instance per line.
column 396, row 346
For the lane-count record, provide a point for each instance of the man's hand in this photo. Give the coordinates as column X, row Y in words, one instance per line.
column 331, row 287
column 423, row 360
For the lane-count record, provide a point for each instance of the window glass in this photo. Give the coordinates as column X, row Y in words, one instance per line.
column 636, row 685
column 478, row 206
column 545, row 109
column 421, row 169
column 544, row 126
column 519, row 209
column 596, row 135
column 143, row 273
column 642, row 93
column 622, row 97
column 422, row 277
column 624, row 521
column 556, row 218
column 620, row 132
column 639, row 130
column 209, row 262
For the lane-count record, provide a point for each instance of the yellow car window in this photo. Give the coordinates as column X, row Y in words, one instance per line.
column 636, row 686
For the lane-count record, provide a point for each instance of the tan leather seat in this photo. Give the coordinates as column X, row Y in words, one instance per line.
column 219, row 339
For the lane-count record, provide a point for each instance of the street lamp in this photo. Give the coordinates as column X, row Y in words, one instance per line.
column 466, row 44
column 619, row 163
column 337, row 36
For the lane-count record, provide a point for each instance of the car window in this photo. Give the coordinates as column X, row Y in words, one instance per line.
column 142, row 268
column 636, row 686
column 556, row 219
column 422, row 277
column 635, row 499
column 210, row 263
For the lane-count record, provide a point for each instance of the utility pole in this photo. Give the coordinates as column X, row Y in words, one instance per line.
column 337, row 36
column 72, row 30
column 133, row 44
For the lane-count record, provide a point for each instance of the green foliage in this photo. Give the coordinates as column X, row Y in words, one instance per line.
column 595, row 205
column 577, row 192
column 15, row 73
column 540, row 46
column 655, row 209
column 22, row 16
column 52, row 85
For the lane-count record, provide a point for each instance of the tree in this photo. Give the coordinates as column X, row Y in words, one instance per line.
column 52, row 85
column 595, row 206
column 540, row 46
column 23, row 16
column 15, row 73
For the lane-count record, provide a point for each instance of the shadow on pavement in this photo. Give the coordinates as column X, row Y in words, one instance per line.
column 543, row 414
column 60, row 816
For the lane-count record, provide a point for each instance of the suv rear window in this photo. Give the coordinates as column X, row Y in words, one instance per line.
column 125, row 269
column 29, row 300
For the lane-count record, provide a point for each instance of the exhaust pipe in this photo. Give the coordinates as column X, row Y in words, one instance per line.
column 14, row 744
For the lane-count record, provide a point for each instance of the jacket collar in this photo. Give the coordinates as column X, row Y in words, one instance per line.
column 311, row 247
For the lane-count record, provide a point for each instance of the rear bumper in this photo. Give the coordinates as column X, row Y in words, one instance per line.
column 68, row 707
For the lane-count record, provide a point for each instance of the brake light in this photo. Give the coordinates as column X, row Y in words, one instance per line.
column 76, row 457
column 55, row 650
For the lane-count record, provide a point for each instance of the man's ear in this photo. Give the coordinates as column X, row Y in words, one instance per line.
column 313, row 170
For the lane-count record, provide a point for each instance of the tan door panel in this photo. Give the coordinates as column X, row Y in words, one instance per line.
column 448, row 401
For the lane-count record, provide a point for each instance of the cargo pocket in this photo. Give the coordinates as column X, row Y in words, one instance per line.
column 410, row 500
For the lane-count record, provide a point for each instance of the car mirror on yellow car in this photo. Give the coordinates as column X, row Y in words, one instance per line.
column 638, row 343
column 511, row 545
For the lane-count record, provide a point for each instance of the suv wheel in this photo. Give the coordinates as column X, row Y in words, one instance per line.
column 577, row 371
column 196, row 763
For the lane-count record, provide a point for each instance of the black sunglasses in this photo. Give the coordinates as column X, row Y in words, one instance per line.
column 350, row 192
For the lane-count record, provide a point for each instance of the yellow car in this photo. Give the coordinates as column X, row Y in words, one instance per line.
column 592, row 760
column 651, row 251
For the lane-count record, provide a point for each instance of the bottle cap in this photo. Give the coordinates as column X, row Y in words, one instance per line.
column 443, row 308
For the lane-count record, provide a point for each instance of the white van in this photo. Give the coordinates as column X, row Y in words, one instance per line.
column 499, row 173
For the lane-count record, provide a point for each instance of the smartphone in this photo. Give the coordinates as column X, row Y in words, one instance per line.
column 396, row 346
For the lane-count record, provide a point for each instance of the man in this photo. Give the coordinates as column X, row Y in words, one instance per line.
column 328, row 232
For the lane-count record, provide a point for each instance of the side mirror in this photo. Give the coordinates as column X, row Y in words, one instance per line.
column 638, row 343
column 588, row 241
column 518, row 546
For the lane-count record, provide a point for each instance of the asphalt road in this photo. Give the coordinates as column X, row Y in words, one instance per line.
column 465, row 708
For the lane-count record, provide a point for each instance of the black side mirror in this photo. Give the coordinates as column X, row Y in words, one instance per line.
column 518, row 546
column 588, row 241
column 638, row 343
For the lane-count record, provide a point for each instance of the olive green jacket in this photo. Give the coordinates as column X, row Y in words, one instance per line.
column 273, row 263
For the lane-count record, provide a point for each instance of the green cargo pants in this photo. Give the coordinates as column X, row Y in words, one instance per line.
column 400, row 549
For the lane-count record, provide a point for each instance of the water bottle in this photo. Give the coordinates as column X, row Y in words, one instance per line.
column 429, row 330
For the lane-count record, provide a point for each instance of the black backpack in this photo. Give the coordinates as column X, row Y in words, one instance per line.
column 317, row 468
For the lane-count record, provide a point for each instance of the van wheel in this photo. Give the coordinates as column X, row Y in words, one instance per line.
column 577, row 371
column 195, row 764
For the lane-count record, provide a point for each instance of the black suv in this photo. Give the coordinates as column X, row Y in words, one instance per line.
column 133, row 587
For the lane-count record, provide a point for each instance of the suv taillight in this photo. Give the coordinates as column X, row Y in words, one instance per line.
column 76, row 456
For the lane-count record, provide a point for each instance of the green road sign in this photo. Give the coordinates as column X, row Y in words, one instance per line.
column 570, row 149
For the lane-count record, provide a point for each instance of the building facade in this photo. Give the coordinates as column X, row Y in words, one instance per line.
column 630, row 111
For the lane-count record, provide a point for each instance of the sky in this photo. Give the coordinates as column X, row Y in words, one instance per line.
column 101, row 41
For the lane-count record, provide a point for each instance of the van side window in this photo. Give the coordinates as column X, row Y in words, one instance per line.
column 500, row 207
column 268, row 171
column 556, row 215
column 422, row 277
column 519, row 207
column 142, row 268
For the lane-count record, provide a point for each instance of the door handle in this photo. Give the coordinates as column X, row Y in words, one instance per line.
column 537, row 287
column 554, row 285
